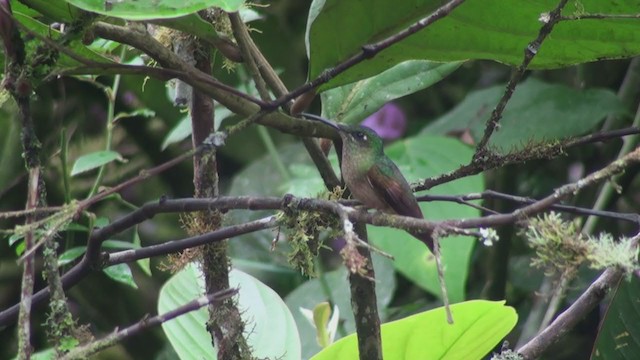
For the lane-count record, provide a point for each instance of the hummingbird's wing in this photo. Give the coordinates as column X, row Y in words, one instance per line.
column 389, row 183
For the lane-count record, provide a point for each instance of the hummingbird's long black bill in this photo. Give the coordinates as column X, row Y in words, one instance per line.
column 322, row 120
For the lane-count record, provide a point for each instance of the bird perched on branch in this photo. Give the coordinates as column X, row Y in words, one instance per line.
column 372, row 177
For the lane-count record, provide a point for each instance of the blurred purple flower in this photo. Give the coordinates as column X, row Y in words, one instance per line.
column 389, row 122
column 130, row 99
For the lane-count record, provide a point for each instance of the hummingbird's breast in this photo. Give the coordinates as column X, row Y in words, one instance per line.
column 361, row 188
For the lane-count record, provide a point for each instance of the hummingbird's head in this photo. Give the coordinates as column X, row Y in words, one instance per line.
column 360, row 138
column 355, row 138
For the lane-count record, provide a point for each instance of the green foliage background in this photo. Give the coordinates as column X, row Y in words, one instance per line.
column 446, row 79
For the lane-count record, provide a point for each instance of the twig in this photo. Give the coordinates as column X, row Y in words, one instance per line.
column 174, row 246
column 203, row 82
column 610, row 170
column 490, row 194
column 85, row 351
column 542, row 151
column 607, row 190
column 263, row 74
column 570, row 317
column 599, row 16
column 443, row 285
column 20, row 89
column 529, row 53
column 27, row 212
column 85, row 266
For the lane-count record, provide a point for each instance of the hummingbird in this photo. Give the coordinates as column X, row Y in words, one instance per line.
column 372, row 177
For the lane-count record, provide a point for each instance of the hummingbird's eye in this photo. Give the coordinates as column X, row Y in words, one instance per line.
column 360, row 136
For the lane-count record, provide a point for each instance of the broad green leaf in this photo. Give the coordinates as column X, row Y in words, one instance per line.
column 121, row 273
column 94, row 160
column 313, row 292
column 479, row 326
column 353, row 102
column 304, row 180
column 153, row 9
column 71, row 254
column 280, row 278
column 537, row 112
column 273, row 332
column 619, row 334
column 497, row 30
column 420, row 157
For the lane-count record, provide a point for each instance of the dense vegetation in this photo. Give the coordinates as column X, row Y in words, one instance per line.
column 154, row 153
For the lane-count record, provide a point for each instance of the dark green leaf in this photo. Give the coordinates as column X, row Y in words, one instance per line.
column 94, row 160
column 490, row 29
column 121, row 273
column 619, row 335
column 71, row 254
column 537, row 112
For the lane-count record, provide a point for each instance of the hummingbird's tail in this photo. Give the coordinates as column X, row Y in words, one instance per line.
column 426, row 238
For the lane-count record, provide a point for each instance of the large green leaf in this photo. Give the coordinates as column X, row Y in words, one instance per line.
column 478, row 29
column 478, row 327
column 537, row 112
column 353, row 102
column 619, row 335
column 153, row 9
column 313, row 292
column 421, row 157
column 272, row 333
